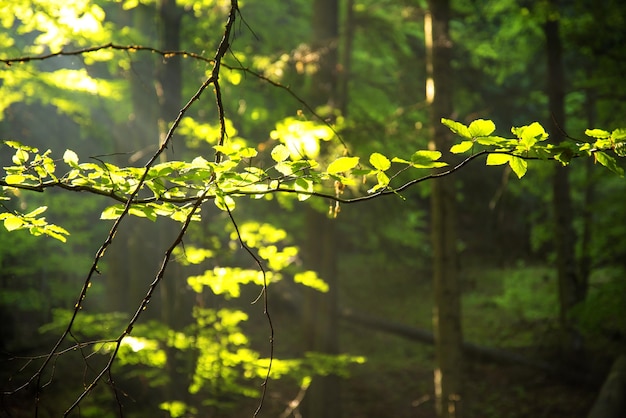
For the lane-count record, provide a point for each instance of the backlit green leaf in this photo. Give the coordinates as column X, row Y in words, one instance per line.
column 530, row 134
column 380, row 162
column 518, row 165
column 36, row 212
column 224, row 202
column 457, row 127
column 498, row 159
column 70, row 158
column 305, row 185
column 342, row 164
column 481, row 127
column 112, row 212
column 462, row 147
column 20, row 157
column 13, row 222
column 280, row 153
column 609, row 162
column 14, row 179
column 597, row 133
column 427, row 159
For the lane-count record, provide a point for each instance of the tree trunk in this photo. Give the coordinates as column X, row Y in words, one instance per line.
column 572, row 289
column 447, row 305
column 134, row 247
column 175, row 304
column 320, row 313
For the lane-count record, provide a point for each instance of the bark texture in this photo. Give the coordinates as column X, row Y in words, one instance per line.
column 447, row 306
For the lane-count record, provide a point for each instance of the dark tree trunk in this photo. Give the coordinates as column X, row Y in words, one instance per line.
column 320, row 313
column 447, row 304
column 572, row 289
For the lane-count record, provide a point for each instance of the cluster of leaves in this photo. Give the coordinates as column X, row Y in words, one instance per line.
column 530, row 142
column 169, row 189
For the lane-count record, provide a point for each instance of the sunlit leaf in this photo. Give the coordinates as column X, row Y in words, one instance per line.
column 530, row 134
column 20, row 157
column 481, row 127
column 496, row 141
column 143, row 212
column 518, row 165
column 342, row 164
column 304, row 185
column 15, row 179
column 609, row 162
column 498, row 159
column 400, row 160
column 462, row 147
column 457, row 127
column 280, row 153
column 597, row 133
column 427, row 159
column 36, row 212
column 619, row 135
column 112, row 212
column 13, row 222
column 224, row 202
column 70, row 158
column 379, row 161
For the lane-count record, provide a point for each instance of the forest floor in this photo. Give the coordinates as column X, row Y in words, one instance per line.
column 513, row 311
column 491, row 391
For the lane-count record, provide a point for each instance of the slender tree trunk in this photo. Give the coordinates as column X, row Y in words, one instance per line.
column 176, row 304
column 320, row 314
column 345, row 66
column 447, row 306
column 588, row 197
column 571, row 288
column 134, row 247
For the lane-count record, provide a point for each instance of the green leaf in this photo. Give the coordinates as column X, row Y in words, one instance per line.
column 530, row 134
column 342, row 164
column 619, row 135
column 70, row 158
column 112, row 212
column 609, row 162
column 457, row 127
column 496, row 141
column 597, row 133
column 481, row 127
column 13, row 222
column 14, row 179
column 284, row 168
column 427, row 159
column 143, row 212
column 224, row 202
column 462, row 147
column 36, row 212
column 305, row 185
column 519, row 166
column 498, row 159
column 380, row 162
column 20, row 157
column 56, row 232
column 400, row 160
column 280, row 153
column 247, row 152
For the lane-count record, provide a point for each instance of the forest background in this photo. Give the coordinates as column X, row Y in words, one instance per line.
column 527, row 267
